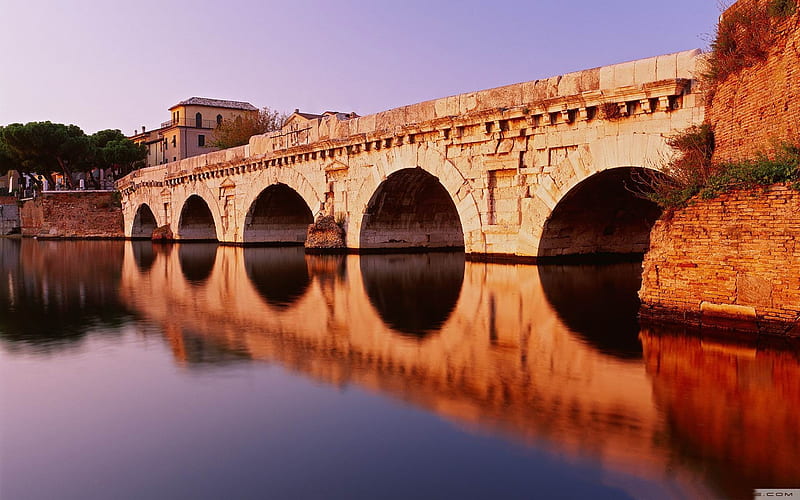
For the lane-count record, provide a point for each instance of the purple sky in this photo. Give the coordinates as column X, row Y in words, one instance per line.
column 106, row 64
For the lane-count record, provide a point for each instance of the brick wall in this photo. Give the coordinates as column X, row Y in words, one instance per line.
column 73, row 215
column 761, row 104
column 731, row 262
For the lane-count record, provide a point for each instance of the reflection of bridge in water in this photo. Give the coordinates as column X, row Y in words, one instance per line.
column 487, row 346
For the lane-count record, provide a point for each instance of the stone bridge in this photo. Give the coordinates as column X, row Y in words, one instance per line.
column 538, row 169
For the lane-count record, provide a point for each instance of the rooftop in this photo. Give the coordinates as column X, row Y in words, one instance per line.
column 216, row 103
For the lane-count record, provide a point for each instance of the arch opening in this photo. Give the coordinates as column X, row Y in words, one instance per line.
column 601, row 218
column 144, row 223
column 279, row 216
column 144, row 255
column 196, row 222
column 411, row 209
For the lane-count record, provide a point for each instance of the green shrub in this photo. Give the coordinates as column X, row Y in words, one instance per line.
column 784, row 166
column 692, row 172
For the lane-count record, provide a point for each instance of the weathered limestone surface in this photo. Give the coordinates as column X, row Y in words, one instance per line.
column 732, row 262
column 74, row 214
column 504, row 157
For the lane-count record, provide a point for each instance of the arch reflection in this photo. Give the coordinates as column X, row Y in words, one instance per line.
column 197, row 261
column 414, row 294
column 598, row 302
column 279, row 274
column 144, row 254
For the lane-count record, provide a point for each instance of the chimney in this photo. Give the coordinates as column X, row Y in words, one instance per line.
column 143, row 129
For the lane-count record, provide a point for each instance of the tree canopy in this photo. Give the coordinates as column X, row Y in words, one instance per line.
column 45, row 147
column 237, row 132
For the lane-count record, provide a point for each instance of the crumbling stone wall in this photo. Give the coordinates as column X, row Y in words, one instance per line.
column 760, row 105
column 731, row 262
column 9, row 215
column 89, row 214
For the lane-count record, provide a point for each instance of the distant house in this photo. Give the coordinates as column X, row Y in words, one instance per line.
column 296, row 127
column 190, row 129
column 9, row 182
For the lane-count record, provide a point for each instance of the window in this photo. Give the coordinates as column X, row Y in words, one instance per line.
column 219, row 120
column 198, row 120
column 173, row 140
column 201, row 140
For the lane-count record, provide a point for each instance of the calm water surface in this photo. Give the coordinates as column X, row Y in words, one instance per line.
column 133, row 371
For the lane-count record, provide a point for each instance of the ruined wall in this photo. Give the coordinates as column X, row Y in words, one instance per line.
column 760, row 105
column 730, row 262
column 89, row 214
column 9, row 215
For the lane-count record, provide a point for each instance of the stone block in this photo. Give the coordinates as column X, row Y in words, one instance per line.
column 687, row 63
column 590, row 80
column 387, row 120
column 753, row 290
column 667, row 67
column 467, row 103
column 421, row 112
column 569, row 84
column 365, row 124
column 624, row 74
column 539, row 90
column 644, row 71
column 447, row 106
column 500, row 97
column 606, row 78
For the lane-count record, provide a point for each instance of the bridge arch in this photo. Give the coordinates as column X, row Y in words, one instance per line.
column 279, row 215
column 417, row 198
column 144, row 222
column 587, row 206
column 260, row 182
column 196, row 220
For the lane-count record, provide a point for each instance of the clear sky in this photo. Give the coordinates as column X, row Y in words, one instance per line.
column 110, row 64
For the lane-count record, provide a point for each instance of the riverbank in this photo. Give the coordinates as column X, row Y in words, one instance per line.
column 729, row 263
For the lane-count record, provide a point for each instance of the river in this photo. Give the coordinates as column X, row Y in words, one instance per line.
column 134, row 371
